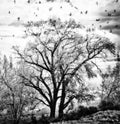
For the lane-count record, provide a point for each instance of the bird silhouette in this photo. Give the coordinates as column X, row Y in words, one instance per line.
column 18, row 18
column 50, row 8
column 97, row 19
column 68, row 1
column 14, row 1
column 97, row 3
column 114, row 10
column 9, row 12
column 100, row 26
column 110, row 30
column 93, row 29
column 70, row 14
column 28, row 1
column 86, row 12
column 76, row 7
column 105, row 10
column 109, row 14
column 38, row 8
column 116, row 26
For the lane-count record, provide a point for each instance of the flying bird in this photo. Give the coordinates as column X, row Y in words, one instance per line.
column 76, row 7
column 97, row 19
column 110, row 30
column 109, row 14
column 68, row 1
column 18, row 18
column 70, row 14
column 86, row 12
column 100, row 26
column 50, row 8
column 38, row 8
column 114, row 10
column 97, row 3
column 116, row 26
column 105, row 10
column 28, row 1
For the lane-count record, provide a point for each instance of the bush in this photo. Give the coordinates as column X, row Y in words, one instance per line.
column 93, row 109
column 77, row 114
column 108, row 105
column 83, row 111
column 44, row 120
column 71, row 116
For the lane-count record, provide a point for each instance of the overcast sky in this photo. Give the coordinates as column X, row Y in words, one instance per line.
column 102, row 14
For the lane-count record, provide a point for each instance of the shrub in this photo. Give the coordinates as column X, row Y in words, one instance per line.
column 108, row 105
column 44, row 120
column 83, row 111
column 93, row 109
column 80, row 112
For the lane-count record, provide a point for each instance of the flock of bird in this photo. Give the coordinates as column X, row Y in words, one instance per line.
column 108, row 14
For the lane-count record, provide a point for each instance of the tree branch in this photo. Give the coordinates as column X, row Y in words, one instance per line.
column 35, row 87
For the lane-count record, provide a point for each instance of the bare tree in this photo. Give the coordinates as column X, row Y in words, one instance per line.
column 14, row 95
column 111, row 84
column 58, row 60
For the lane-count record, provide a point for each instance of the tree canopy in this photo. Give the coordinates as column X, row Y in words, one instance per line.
column 59, row 59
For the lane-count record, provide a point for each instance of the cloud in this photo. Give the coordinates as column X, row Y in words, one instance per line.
column 14, row 18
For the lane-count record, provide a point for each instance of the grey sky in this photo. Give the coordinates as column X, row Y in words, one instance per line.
column 102, row 14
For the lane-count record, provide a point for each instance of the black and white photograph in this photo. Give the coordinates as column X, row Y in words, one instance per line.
column 59, row 61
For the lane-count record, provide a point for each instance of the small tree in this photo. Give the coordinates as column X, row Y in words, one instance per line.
column 59, row 59
column 111, row 84
column 14, row 95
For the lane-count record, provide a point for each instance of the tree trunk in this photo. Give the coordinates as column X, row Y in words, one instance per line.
column 52, row 109
column 61, row 111
column 61, row 106
column 16, row 121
